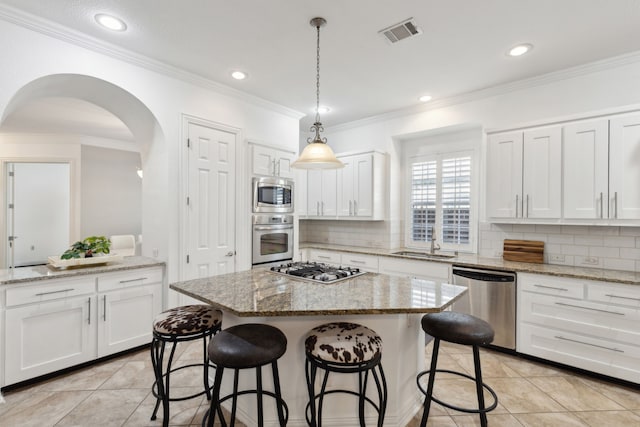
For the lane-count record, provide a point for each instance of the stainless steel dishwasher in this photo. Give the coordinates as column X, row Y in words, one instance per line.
column 491, row 297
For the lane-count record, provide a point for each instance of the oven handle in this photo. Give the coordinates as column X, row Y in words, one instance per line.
column 273, row 227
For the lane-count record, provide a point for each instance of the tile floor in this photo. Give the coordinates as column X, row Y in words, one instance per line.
column 116, row 393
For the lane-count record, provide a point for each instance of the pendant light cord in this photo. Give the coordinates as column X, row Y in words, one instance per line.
column 318, row 76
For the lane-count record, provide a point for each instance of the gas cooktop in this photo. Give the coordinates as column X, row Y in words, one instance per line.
column 317, row 272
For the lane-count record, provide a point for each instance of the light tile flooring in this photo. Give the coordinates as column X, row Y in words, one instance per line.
column 116, row 393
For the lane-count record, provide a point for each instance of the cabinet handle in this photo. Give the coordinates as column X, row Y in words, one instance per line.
column 273, row 162
column 527, row 211
column 551, row 287
column 590, row 309
column 616, row 296
column 615, row 204
column 355, row 261
column 517, row 197
column 54, row 292
column 89, row 319
column 133, row 280
column 350, row 207
column 586, row 343
column 601, row 209
column 322, row 208
column 355, row 207
column 323, row 257
column 104, row 308
column 318, row 208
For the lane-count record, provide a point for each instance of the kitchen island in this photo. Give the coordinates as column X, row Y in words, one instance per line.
column 392, row 306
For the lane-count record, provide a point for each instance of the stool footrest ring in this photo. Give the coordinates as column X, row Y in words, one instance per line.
column 240, row 393
column 154, row 386
column 307, row 409
column 457, row 408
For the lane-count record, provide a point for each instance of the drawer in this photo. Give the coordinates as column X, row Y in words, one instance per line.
column 625, row 295
column 597, row 355
column 125, row 279
column 585, row 317
column 551, row 285
column 324, row 256
column 362, row 261
column 50, row 290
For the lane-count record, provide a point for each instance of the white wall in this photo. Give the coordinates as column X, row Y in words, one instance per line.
column 35, row 55
column 111, row 201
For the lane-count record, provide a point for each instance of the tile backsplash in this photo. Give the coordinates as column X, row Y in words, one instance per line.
column 613, row 248
column 375, row 234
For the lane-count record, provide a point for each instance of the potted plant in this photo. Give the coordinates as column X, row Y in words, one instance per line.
column 88, row 247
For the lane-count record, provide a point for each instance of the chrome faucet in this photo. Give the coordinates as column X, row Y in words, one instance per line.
column 434, row 246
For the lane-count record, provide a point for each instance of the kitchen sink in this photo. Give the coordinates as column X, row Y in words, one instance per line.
column 423, row 254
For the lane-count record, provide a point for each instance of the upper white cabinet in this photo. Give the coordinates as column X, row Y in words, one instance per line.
column 271, row 161
column 524, row 174
column 355, row 192
column 601, row 169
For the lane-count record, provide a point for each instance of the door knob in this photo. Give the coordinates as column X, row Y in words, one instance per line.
column 230, row 253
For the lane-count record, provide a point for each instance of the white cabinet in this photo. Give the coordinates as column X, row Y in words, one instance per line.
column 364, row 262
column 300, row 192
column 271, row 161
column 361, row 186
column 624, row 170
column 524, row 174
column 324, row 256
column 587, row 324
column 49, row 334
column 55, row 324
column 321, row 193
column 414, row 268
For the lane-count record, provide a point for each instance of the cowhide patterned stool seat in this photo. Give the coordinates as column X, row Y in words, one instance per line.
column 180, row 324
column 345, row 348
column 462, row 329
column 246, row 346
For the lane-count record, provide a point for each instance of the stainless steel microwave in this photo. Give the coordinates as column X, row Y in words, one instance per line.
column 272, row 195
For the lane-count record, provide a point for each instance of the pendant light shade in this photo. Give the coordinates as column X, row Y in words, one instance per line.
column 317, row 154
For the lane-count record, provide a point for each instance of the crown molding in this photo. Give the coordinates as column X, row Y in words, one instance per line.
column 65, row 34
column 543, row 79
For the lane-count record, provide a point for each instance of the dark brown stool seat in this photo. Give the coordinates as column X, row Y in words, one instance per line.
column 458, row 328
column 250, row 345
column 180, row 324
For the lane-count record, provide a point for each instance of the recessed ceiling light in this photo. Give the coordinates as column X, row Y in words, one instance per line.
column 110, row 22
column 239, row 75
column 425, row 98
column 323, row 110
column 519, row 50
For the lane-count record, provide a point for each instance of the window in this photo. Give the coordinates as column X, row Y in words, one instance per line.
column 440, row 200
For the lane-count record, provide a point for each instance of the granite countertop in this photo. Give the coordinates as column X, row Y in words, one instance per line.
column 260, row 292
column 44, row 272
column 471, row 260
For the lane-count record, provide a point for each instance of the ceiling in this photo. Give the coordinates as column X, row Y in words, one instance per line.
column 462, row 47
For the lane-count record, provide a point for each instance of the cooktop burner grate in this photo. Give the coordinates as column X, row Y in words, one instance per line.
column 317, row 272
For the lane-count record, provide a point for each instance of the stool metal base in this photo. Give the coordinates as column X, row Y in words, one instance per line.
column 313, row 413
column 482, row 410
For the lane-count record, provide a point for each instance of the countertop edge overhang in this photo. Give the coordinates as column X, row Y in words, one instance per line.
column 474, row 261
column 44, row 272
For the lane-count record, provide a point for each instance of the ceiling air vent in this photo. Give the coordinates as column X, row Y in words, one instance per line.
column 401, row 31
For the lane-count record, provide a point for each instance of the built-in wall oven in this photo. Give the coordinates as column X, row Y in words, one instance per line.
column 272, row 238
column 272, row 195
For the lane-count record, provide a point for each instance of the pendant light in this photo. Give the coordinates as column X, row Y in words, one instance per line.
column 317, row 154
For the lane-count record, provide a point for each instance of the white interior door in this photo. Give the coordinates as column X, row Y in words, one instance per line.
column 211, row 216
column 39, row 202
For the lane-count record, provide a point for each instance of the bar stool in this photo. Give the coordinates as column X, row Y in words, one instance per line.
column 344, row 348
column 180, row 324
column 246, row 346
column 463, row 329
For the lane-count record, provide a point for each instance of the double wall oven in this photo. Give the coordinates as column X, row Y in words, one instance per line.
column 272, row 220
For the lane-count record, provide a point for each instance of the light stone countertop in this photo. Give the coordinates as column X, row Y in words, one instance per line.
column 471, row 260
column 44, row 272
column 260, row 292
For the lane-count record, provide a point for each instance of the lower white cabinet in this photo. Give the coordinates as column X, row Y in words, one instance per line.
column 587, row 324
column 346, row 259
column 55, row 324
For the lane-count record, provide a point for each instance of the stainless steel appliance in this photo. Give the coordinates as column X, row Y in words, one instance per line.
column 317, row 272
column 272, row 238
column 272, row 195
column 491, row 297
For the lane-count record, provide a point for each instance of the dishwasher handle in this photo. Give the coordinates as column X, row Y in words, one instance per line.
column 484, row 276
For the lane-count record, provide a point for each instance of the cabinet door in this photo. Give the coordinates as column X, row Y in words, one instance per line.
column 329, row 203
column 283, row 160
column 363, row 185
column 346, row 187
column 542, row 173
column 300, row 192
column 504, row 175
column 624, row 168
column 125, row 317
column 585, row 170
column 262, row 160
column 314, row 192
column 43, row 338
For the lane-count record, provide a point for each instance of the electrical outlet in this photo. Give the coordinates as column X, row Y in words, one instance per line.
column 497, row 254
column 590, row 260
column 556, row 258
